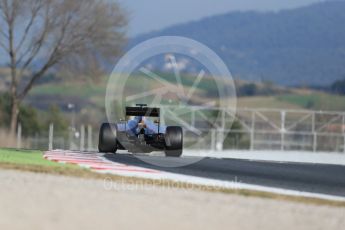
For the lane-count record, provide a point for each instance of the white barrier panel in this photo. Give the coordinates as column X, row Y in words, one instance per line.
column 276, row 156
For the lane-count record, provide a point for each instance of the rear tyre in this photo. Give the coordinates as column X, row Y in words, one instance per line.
column 173, row 141
column 107, row 138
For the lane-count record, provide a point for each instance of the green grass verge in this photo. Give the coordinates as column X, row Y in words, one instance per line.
column 316, row 101
column 25, row 157
column 33, row 161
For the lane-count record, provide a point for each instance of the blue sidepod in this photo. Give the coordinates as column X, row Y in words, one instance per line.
column 132, row 126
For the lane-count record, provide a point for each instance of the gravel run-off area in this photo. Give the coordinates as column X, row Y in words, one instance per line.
column 41, row 201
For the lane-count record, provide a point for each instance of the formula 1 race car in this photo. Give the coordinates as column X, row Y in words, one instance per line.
column 139, row 134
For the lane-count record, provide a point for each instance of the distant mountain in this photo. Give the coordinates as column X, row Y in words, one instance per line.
column 304, row 46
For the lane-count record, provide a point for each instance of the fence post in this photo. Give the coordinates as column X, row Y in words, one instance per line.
column 313, row 128
column 19, row 136
column 82, row 137
column 51, row 135
column 89, row 137
column 344, row 143
column 343, row 130
column 252, row 132
column 213, row 139
column 314, row 142
column 282, row 129
column 219, row 140
column 70, row 136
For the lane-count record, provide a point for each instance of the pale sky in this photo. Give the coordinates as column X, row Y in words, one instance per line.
column 148, row 15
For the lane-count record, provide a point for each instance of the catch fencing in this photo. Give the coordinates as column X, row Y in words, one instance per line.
column 267, row 129
column 247, row 129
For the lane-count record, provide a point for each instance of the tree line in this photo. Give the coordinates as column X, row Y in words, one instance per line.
column 42, row 36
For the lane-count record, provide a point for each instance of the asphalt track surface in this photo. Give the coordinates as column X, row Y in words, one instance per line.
column 316, row 178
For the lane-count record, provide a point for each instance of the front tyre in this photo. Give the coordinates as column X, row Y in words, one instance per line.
column 173, row 141
column 107, row 138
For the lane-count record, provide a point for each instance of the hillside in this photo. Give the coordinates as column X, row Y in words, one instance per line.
column 304, row 46
column 90, row 97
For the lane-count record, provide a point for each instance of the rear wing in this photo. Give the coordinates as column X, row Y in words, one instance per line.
column 142, row 111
